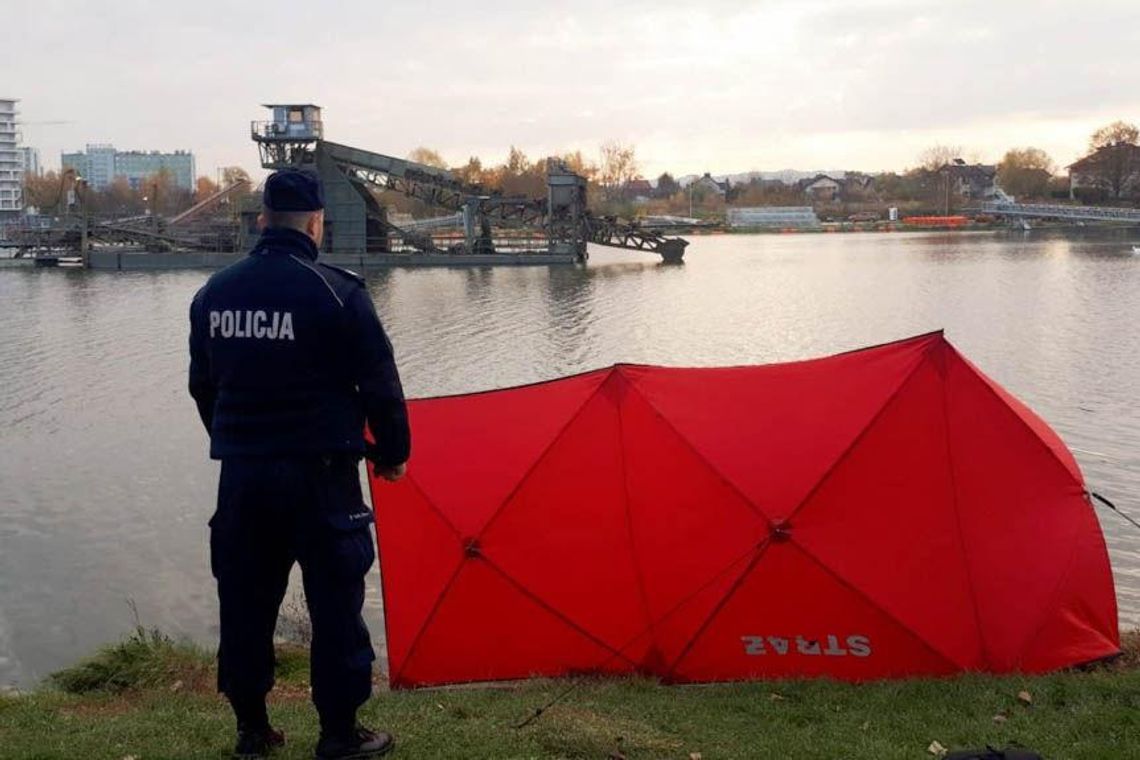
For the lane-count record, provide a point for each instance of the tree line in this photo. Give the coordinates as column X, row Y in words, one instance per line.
column 56, row 193
column 1110, row 173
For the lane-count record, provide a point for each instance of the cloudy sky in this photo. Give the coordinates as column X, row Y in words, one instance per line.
column 720, row 86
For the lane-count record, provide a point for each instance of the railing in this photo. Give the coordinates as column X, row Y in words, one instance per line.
column 1058, row 211
column 286, row 131
column 457, row 245
column 440, row 222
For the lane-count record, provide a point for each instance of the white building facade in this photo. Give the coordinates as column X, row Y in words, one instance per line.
column 101, row 164
column 11, row 164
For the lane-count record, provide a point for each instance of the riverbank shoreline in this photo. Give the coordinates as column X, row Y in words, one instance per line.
column 150, row 697
column 136, row 260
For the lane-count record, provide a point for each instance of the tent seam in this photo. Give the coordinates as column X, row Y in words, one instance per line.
column 876, row 606
column 637, row 569
column 619, row 652
column 688, row 598
column 383, row 586
column 538, row 460
column 435, row 508
column 890, row 400
column 486, row 525
column 985, row 652
column 703, row 459
column 826, row 474
column 1048, row 608
column 981, row 378
column 760, row 550
column 923, row 358
column 736, row 585
column 427, row 621
column 566, row 619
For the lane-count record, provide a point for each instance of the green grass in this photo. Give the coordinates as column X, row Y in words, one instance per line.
column 171, row 712
column 145, row 659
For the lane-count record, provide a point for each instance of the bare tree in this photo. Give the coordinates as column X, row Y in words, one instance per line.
column 234, row 174
column 1113, row 162
column 1116, row 133
column 618, row 166
column 936, row 156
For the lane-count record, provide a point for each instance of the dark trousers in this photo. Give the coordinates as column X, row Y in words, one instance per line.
column 271, row 513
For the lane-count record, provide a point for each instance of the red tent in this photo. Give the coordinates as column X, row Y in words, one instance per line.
column 883, row 513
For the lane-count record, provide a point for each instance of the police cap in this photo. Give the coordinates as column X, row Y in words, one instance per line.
column 293, row 190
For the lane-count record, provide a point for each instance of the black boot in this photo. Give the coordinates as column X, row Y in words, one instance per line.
column 360, row 744
column 254, row 743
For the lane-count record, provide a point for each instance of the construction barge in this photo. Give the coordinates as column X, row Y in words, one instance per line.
column 482, row 227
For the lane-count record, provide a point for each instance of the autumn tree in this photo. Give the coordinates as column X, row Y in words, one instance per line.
column 120, row 199
column 520, row 177
column 578, row 164
column 427, row 157
column 204, row 187
column 1025, row 172
column 471, row 173
column 44, row 192
column 162, row 195
column 618, row 166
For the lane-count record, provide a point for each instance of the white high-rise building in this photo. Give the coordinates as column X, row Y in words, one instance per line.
column 11, row 163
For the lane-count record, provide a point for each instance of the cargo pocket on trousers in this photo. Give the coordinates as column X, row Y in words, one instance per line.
column 351, row 543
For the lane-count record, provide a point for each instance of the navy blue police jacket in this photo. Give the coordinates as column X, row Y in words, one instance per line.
column 288, row 356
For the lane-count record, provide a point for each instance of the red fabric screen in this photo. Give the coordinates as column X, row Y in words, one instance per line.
column 882, row 513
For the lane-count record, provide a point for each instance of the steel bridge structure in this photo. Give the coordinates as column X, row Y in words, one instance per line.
column 1062, row 212
column 559, row 223
column 193, row 229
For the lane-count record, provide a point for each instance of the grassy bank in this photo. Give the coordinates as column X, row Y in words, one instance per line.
column 150, row 698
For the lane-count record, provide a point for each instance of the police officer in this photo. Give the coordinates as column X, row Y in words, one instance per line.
column 288, row 360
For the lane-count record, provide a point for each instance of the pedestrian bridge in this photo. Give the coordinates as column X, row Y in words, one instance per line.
column 1060, row 211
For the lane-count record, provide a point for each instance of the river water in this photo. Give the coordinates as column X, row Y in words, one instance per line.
column 105, row 487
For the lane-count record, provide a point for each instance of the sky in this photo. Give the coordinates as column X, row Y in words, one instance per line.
column 723, row 86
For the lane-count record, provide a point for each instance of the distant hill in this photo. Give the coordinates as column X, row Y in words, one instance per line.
column 787, row 176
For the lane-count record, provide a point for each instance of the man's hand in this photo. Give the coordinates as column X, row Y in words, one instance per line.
column 391, row 473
